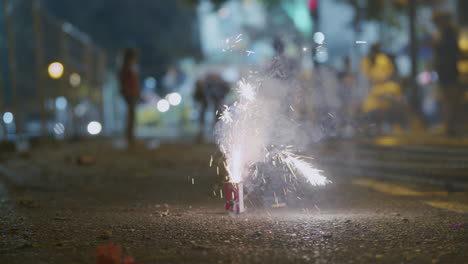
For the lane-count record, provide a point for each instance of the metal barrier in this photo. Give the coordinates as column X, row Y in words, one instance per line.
column 51, row 84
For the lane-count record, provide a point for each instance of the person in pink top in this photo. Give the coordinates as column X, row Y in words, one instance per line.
column 130, row 89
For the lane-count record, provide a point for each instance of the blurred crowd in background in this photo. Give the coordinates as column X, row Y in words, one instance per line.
column 364, row 68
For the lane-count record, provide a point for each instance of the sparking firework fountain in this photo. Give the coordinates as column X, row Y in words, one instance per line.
column 259, row 128
column 243, row 136
column 235, row 149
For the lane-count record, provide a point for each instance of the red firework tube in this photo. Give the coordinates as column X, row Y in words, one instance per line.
column 234, row 197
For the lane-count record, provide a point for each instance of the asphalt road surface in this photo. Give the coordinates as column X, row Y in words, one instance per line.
column 163, row 205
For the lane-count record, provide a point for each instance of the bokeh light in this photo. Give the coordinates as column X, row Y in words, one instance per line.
column 61, row 103
column 8, row 117
column 150, row 83
column 425, row 78
column 94, row 128
column 59, row 129
column 81, row 109
column 174, row 98
column 319, row 38
column 163, row 105
column 55, row 70
column 75, row 79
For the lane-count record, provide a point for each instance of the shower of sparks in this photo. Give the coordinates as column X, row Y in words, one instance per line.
column 235, row 167
column 235, row 122
column 230, row 43
column 246, row 90
column 241, row 149
column 297, row 165
column 226, row 116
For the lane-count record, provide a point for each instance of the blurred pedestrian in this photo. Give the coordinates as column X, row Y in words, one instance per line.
column 130, row 89
column 348, row 105
column 173, row 79
column 210, row 91
column 282, row 82
column 281, row 67
column 384, row 102
column 200, row 97
column 445, row 63
column 216, row 88
column 346, row 79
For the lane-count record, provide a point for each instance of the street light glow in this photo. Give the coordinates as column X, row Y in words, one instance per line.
column 61, row 103
column 150, row 83
column 8, row 117
column 55, row 70
column 163, row 105
column 59, row 129
column 75, row 79
column 319, row 38
column 94, row 128
column 174, row 98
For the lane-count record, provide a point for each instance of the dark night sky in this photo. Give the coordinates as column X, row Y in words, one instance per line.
column 163, row 30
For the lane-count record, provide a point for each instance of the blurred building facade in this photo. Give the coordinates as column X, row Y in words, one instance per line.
column 52, row 76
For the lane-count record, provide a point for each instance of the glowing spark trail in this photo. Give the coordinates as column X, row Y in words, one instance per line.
column 246, row 90
column 226, row 116
column 249, row 52
column 297, row 165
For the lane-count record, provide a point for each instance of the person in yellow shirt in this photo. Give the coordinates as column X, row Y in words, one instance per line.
column 385, row 94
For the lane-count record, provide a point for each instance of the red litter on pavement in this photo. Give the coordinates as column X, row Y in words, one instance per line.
column 112, row 254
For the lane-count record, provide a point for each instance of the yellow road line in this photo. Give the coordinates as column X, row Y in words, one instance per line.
column 396, row 189
column 391, row 141
column 452, row 206
column 402, row 190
